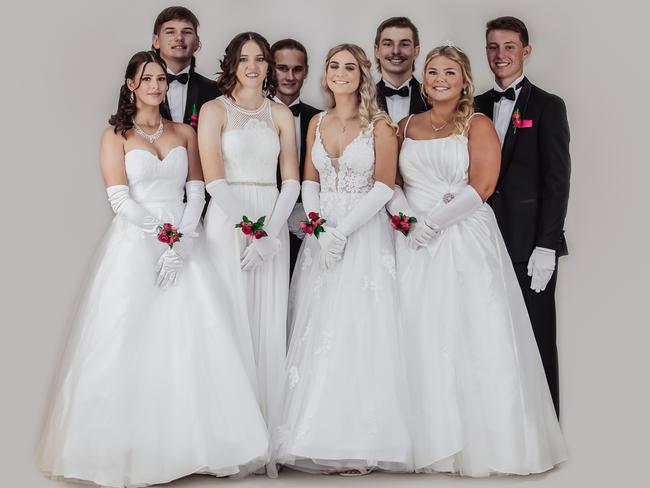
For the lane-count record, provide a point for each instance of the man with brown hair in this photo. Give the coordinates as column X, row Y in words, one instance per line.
column 176, row 39
column 397, row 45
column 532, row 192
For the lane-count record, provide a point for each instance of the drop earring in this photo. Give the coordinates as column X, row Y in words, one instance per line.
column 131, row 97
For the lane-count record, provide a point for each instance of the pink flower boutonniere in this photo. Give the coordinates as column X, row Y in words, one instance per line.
column 314, row 225
column 402, row 223
column 168, row 234
column 252, row 230
column 519, row 123
column 194, row 118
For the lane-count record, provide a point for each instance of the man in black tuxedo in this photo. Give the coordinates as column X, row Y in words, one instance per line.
column 532, row 193
column 176, row 39
column 397, row 44
column 291, row 69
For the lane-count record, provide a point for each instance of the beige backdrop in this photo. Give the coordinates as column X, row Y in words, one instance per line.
column 60, row 80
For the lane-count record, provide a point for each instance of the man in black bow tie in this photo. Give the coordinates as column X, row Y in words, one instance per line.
column 397, row 44
column 176, row 39
column 291, row 69
column 532, row 192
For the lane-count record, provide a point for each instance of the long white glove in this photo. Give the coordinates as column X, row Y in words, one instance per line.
column 331, row 241
column 195, row 193
column 398, row 203
column 541, row 266
column 465, row 203
column 293, row 222
column 268, row 246
column 168, row 268
column 223, row 196
column 125, row 206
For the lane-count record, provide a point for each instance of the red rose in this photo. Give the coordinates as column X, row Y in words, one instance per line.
column 313, row 216
column 247, row 228
column 259, row 234
column 395, row 221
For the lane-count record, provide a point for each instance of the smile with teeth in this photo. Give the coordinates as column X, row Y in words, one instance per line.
column 500, row 64
column 441, row 88
column 252, row 75
column 340, row 82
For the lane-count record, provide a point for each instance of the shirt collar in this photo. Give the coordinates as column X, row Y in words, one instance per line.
column 295, row 102
column 406, row 83
column 186, row 70
column 512, row 85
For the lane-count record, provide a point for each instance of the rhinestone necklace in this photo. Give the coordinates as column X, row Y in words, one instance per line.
column 151, row 138
column 436, row 129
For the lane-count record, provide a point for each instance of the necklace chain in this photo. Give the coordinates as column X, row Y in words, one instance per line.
column 436, row 129
column 151, row 138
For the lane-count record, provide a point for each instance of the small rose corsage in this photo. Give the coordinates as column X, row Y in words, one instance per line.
column 402, row 222
column 194, row 118
column 519, row 123
column 314, row 225
column 252, row 230
column 168, row 234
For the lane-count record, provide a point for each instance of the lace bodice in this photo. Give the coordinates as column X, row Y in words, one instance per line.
column 250, row 144
column 156, row 181
column 353, row 171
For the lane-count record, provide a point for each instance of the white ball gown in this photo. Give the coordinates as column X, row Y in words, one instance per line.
column 481, row 401
column 155, row 383
column 345, row 392
column 251, row 146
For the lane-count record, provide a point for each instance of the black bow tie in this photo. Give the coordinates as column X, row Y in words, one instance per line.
column 183, row 78
column 295, row 109
column 510, row 93
column 389, row 92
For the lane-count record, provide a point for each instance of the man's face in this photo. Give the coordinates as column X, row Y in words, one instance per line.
column 177, row 40
column 290, row 71
column 506, row 54
column 396, row 50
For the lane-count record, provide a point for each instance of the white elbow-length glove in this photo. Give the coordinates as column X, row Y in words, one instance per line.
column 170, row 263
column 260, row 250
column 465, row 203
column 124, row 206
column 541, row 266
column 398, row 203
column 331, row 241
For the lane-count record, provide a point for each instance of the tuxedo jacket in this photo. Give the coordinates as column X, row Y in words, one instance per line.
column 306, row 114
column 199, row 90
column 532, row 192
column 417, row 104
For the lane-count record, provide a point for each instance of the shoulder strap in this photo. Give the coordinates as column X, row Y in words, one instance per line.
column 406, row 126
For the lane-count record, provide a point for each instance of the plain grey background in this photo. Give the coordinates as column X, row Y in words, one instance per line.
column 63, row 65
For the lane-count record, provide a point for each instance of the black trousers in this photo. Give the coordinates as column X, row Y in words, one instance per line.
column 294, row 247
column 541, row 309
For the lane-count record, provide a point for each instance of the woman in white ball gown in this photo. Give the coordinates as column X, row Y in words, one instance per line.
column 481, row 401
column 242, row 136
column 156, row 383
column 345, row 408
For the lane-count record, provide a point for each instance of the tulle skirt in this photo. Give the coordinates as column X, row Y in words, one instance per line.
column 155, row 383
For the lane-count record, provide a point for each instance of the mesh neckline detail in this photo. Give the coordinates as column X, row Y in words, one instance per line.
column 230, row 101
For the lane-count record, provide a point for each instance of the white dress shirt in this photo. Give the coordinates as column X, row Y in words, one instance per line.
column 296, row 120
column 177, row 96
column 502, row 115
column 398, row 107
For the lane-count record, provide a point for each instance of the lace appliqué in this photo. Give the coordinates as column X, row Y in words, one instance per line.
column 371, row 286
column 325, row 343
column 294, row 377
column 388, row 261
column 306, row 259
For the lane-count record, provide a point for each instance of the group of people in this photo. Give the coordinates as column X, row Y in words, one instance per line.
column 371, row 287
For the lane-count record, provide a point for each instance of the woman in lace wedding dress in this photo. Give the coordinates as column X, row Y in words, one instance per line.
column 344, row 405
column 242, row 134
column 155, row 383
column 481, row 402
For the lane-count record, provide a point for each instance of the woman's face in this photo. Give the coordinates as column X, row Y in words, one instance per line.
column 443, row 79
column 252, row 67
column 149, row 85
column 343, row 74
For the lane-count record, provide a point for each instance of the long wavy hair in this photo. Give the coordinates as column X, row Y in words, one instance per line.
column 122, row 120
column 465, row 106
column 227, row 79
column 369, row 111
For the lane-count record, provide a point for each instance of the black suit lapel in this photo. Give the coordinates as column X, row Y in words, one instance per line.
column 304, row 123
column 485, row 105
column 511, row 136
column 192, row 97
column 417, row 104
column 381, row 99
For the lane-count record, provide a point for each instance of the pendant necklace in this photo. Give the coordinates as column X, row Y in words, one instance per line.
column 151, row 138
column 437, row 129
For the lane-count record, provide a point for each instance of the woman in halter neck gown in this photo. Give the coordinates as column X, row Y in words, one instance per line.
column 481, row 404
column 155, row 384
column 242, row 136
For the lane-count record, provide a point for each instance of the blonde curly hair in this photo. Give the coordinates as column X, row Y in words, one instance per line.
column 369, row 111
column 465, row 106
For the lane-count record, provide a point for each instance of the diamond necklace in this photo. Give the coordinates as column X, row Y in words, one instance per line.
column 151, row 138
column 436, row 129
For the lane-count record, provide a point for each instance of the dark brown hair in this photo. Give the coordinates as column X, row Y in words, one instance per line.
column 511, row 24
column 289, row 44
column 228, row 75
column 176, row 13
column 403, row 22
column 122, row 120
